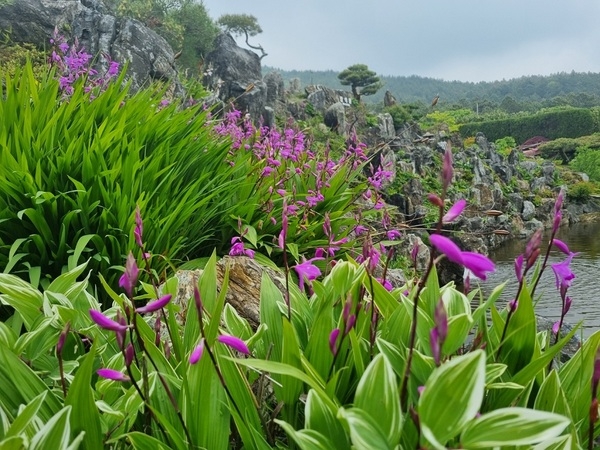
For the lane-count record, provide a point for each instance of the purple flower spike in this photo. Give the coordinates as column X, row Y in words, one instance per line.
column 307, row 271
column 455, row 211
column 62, row 338
column 562, row 272
column 560, row 245
column 555, row 327
column 478, row 264
column 129, row 278
column 513, row 305
column 129, row 354
column 567, row 306
column 235, row 343
column 333, row 336
column 393, row 234
column 111, row 374
column 447, row 247
column 436, row 345
column 197, row 352
column 519, row 268
column 104, row 322
column 435, row 200
column 155, row 305
column 441, row 320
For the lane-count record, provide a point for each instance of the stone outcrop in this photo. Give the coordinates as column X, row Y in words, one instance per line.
column 243, row 292
column 148, row 55
column 234, row 75
column 322, row 98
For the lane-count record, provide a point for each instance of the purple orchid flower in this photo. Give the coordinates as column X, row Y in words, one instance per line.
column 307, row 271
column 154, row 305
column 235, row 343
column 111, row 374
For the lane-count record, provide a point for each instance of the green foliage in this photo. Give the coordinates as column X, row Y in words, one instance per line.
column 185, row 24
column 14, row 56
column 239, row 24
column 399, row 115
column 552, row 123
column 452, row 119
column 505, row 145
column 361, row 79
column 581, row 191
column 587, row 160
column 73, row 172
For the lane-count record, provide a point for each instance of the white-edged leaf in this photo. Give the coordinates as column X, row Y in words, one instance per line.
column 365, row 433
column 513, row 426
column 378, row 395
column 453, row 395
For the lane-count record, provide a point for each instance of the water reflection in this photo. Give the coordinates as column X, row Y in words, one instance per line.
column 585, row 291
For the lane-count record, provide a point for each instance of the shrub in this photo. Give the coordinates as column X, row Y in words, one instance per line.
column 73, row 171
column 588, row 161
column 581, row 191
column 399, row 115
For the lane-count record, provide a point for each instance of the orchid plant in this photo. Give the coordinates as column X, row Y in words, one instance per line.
column 341, row 359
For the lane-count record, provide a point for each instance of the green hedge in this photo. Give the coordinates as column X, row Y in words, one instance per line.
column 552, row 124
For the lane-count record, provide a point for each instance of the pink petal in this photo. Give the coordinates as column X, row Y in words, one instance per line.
column 155, row 305
column 478, row 264
column 447, row 247
column 235, row 343
column 455, row 211
column 197, row 352
column 333, row 340
column 104, row 322
column 111, row 374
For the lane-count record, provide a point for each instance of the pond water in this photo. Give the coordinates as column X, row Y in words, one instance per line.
column 585, row 290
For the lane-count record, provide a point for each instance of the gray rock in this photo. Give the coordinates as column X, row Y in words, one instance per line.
column 480, row 173
column 149, row 56
column 234, row 74
column 385, row 123
column 295, row 86
column 389, row 99
column 528, row 210
column 538, row 184
column 515, row 199
column 335, row 118
column 322, row 97
column 275, row 89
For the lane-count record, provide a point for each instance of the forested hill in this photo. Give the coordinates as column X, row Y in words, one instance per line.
column 577, row 89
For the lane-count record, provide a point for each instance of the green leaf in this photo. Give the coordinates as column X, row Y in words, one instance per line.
column 55, row 433
column 85, row 416
column 453, row 395
column 365, row 433
column 26, row 415
column 306, row 439
column 141, row 441
column 512, row 426
column 551, row 396
column 321, row 418
column 519, row 343
column 378, row 395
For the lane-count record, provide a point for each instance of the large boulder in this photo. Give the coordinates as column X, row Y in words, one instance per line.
column 234, row 75
column 149, row 56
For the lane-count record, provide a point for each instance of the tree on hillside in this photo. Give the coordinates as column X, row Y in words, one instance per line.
column 361, row 79
column 242, row 24
column 185, row 24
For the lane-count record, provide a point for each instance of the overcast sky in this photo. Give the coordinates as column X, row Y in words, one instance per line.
column 466, row 40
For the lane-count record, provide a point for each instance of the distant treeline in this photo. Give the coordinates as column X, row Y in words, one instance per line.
column 551, row 124
column 528, row 93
